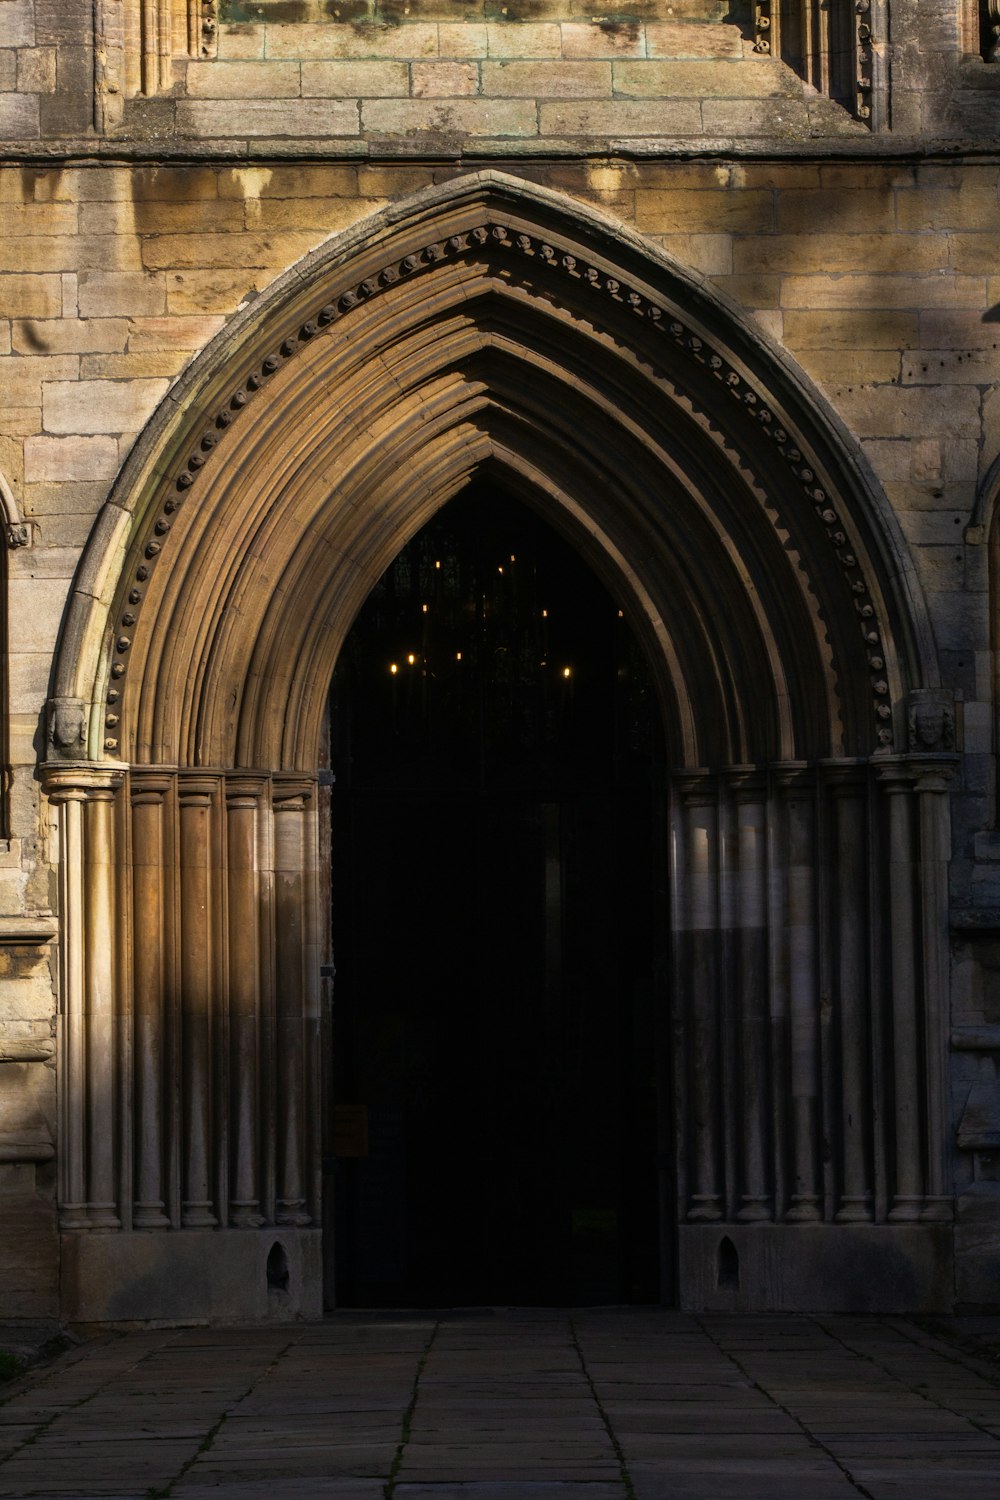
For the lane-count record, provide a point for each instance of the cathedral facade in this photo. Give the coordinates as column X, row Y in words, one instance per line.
column 707, row 295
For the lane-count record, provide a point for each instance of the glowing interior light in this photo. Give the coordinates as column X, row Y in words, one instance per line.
column 566, row 672
column 513, row 558
column 545, row 614
column 393, row 669
column 411, row 658
column 458, row 656
column 499, row 570
column 437, row 564
column 621, row 613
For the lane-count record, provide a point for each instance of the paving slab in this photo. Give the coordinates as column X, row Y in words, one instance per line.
column 514, row 1404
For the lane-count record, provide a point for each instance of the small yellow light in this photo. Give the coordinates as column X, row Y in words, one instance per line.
column 621, row 613
column 566, row 671
column 437, row 564
column 393, row 669
column 545, row 614
column 458, row 656
column 411, row 658
column 425, row 608
column 499, row 570
column 513, row 558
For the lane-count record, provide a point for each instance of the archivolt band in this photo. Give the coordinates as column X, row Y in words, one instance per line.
column 490, row 327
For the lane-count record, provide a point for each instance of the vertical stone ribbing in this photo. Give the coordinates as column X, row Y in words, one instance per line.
column 932, row 776
column 99, row 968
column 150, row 925
column 847, row 788
column 243, row 803
column 195, row 798
column 699, row 943
column 751, row 980
column 798, row 798
column 65, row 792
column 908, row 1185
column 290, row 802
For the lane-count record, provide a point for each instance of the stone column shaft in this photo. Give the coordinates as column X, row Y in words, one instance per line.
column 851, row 993
column 699, row 940
column 243, row 801
column 99, row 907
column 149, row 964
column 195, row 796
column 751, row 916
column 907, row 1200
column 798, row 797
column 290, row 803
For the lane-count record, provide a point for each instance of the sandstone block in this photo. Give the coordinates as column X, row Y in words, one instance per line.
column 781, row 118
column 168, row 218
column 974, row 253
column 526, row 40
column 548, row 80
column 297, row 180
column 752, row 291
column 849, row 366
column 24, row 374
column 55, row 252
column 958, row 330
column 241, row 41
column 462, row 39
column 711, row 254
column 411, row 40
column 70, row 458
column 69, row 335
column 206, row 292
column 219, row 79
column 355, row 80
column 309, row 213
column 141, row 366
column 682, row 39
column 299, row 117
column 884, row 292
column 8, row 70
column 972, row 206
column 690, row 211
column 19, row 23
column 94, row 406
column 30, row 296
column 482, row 117
column 660, row 79
column 622, row 118
column 222, row 251
column 886, row 411
column 173, row 333
column 443, row 80
column 36, row 70
column 19, row 116
column 129, row 294
column 603, row 39
column 37, row 605
column 863, row 211
column 871, row 253
column 952, row 367
column 878, row 329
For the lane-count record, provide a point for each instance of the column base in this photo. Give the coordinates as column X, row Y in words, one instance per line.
column 190, row 1276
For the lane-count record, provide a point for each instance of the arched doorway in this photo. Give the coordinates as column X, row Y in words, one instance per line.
column 489, row 327
column 499, row 927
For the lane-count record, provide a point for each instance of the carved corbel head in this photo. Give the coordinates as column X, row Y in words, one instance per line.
column 66, row 728
column 931, row 721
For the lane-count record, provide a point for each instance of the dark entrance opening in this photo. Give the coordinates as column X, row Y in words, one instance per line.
column 498, row 908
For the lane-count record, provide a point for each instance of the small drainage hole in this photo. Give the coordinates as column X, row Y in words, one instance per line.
column 277, row 1268
column 728, row 1265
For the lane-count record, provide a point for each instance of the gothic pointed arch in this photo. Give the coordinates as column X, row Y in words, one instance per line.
column 490, row 322
column 490, row 326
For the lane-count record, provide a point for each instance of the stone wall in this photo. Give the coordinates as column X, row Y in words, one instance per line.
column 874, row 266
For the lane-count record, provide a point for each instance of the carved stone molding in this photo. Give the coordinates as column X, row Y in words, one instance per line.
column 513, row 250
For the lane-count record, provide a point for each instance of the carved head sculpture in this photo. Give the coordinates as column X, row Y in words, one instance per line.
column 67, row 728
column 932, row 722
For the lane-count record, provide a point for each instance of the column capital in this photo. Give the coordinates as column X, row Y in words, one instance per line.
column 291, row 793
column 76, row 781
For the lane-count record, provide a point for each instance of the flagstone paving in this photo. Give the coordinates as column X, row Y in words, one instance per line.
column 513, row 1404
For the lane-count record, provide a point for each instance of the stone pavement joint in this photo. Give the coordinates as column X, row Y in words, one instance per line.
column 612, row 1435
column 390, row 1487
column 511, row 1404
column 813, row 1439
